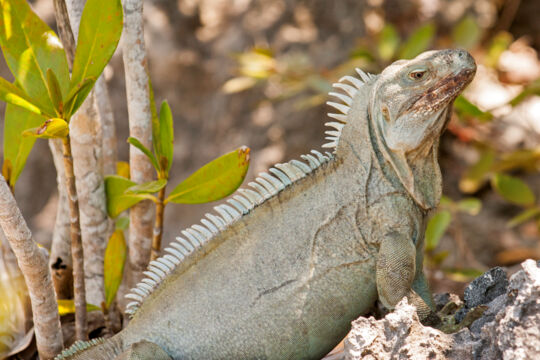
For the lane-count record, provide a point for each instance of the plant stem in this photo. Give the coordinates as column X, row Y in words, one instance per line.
column 158, row 225
column 60, row 258
column 64, row 29
column 140, row 127
column 81, row 325
column 33, row 265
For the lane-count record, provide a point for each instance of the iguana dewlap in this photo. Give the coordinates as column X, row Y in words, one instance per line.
column 286, row 266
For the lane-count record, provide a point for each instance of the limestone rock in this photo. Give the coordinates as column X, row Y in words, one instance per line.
column 483, row 290
column 508, row 329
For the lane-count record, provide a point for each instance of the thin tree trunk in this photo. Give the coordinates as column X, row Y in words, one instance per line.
column 158, row 225
column 60, row 260
column 108, row 127
column 77, row 254
column 87, row 147
column 81, row 324
column 140, row 127
column 85, row 135
column 34, row 267
column 64, row 29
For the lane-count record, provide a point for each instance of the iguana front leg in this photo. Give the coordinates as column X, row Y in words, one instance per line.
column 396, row 273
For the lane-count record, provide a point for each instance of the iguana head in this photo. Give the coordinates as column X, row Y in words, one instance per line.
column 409, row 107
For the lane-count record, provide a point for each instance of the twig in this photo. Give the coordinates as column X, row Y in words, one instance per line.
column 158, row 225
column 140, row 127
column 64, row 29
column 33, row 264
column 81, row 324
column 60, row 259
column 108, row 127
column 86, row 134
column 77, row 254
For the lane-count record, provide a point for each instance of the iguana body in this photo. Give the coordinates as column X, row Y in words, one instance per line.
column 285, row 279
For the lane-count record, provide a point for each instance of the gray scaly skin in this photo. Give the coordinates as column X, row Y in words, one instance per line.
column 283, row 271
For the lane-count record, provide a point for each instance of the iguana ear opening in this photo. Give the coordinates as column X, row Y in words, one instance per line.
column 419, row 172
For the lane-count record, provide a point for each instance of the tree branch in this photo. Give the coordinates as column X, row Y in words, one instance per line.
column 140, row 127
column 81, row 324
column 158, row 225
column 33, row 265
column 60, row 260
column 86, row 134
column 77, row 254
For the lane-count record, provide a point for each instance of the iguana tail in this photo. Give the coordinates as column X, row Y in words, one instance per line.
column 95, row 349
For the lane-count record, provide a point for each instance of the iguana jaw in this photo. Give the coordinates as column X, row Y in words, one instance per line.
column 411, row 107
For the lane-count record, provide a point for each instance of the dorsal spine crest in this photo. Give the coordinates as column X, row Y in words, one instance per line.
column 266, row 185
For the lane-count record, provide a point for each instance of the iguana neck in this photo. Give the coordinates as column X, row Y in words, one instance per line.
column 418, row 171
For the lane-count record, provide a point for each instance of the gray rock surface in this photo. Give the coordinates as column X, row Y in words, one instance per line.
column 483, row 290
column 508, row 329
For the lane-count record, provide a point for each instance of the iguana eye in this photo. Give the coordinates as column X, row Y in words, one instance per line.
column 417, row 74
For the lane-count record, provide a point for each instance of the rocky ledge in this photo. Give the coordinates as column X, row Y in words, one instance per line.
column 507, row 327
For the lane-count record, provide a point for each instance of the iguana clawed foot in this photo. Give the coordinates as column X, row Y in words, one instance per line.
column 449, row 324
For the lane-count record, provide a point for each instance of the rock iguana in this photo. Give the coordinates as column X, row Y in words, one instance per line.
column 286, row 266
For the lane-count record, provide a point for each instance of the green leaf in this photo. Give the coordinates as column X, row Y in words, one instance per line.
column 257, row 64
column 462, row 275
column 115, row 257
column 498, row 45
column 18, row 147
column 418, row 42
column 55, row 92
column 388, row 42
column 439, row 257
column 436, row 227
column 117, row 201
column 465, row 108
column 238, row 84
column 76, row 96
column 11, row 94
column 467, row 33
column 148, row 187
column 215, row 180
column 67, row 306
column 524, row 216
column 531, row 89
column 145, row 151
column 476, row 175
column 446, row 202
column 122, row 169
column 54, row 128
column 122, row 223
column 512, row 189
column 471, row 206
column 526, row 159
column 166, row 137
column 99, row 33
column 155, row 120
column 30, row 47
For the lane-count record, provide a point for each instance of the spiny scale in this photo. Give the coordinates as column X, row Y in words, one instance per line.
column 267, row 185
column 346, row 97
column 78, row 346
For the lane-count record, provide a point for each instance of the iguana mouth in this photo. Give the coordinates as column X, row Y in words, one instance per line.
column 443, row 92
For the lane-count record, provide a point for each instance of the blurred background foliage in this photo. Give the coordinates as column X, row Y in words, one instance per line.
column 492, row 165
column 256, row 73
